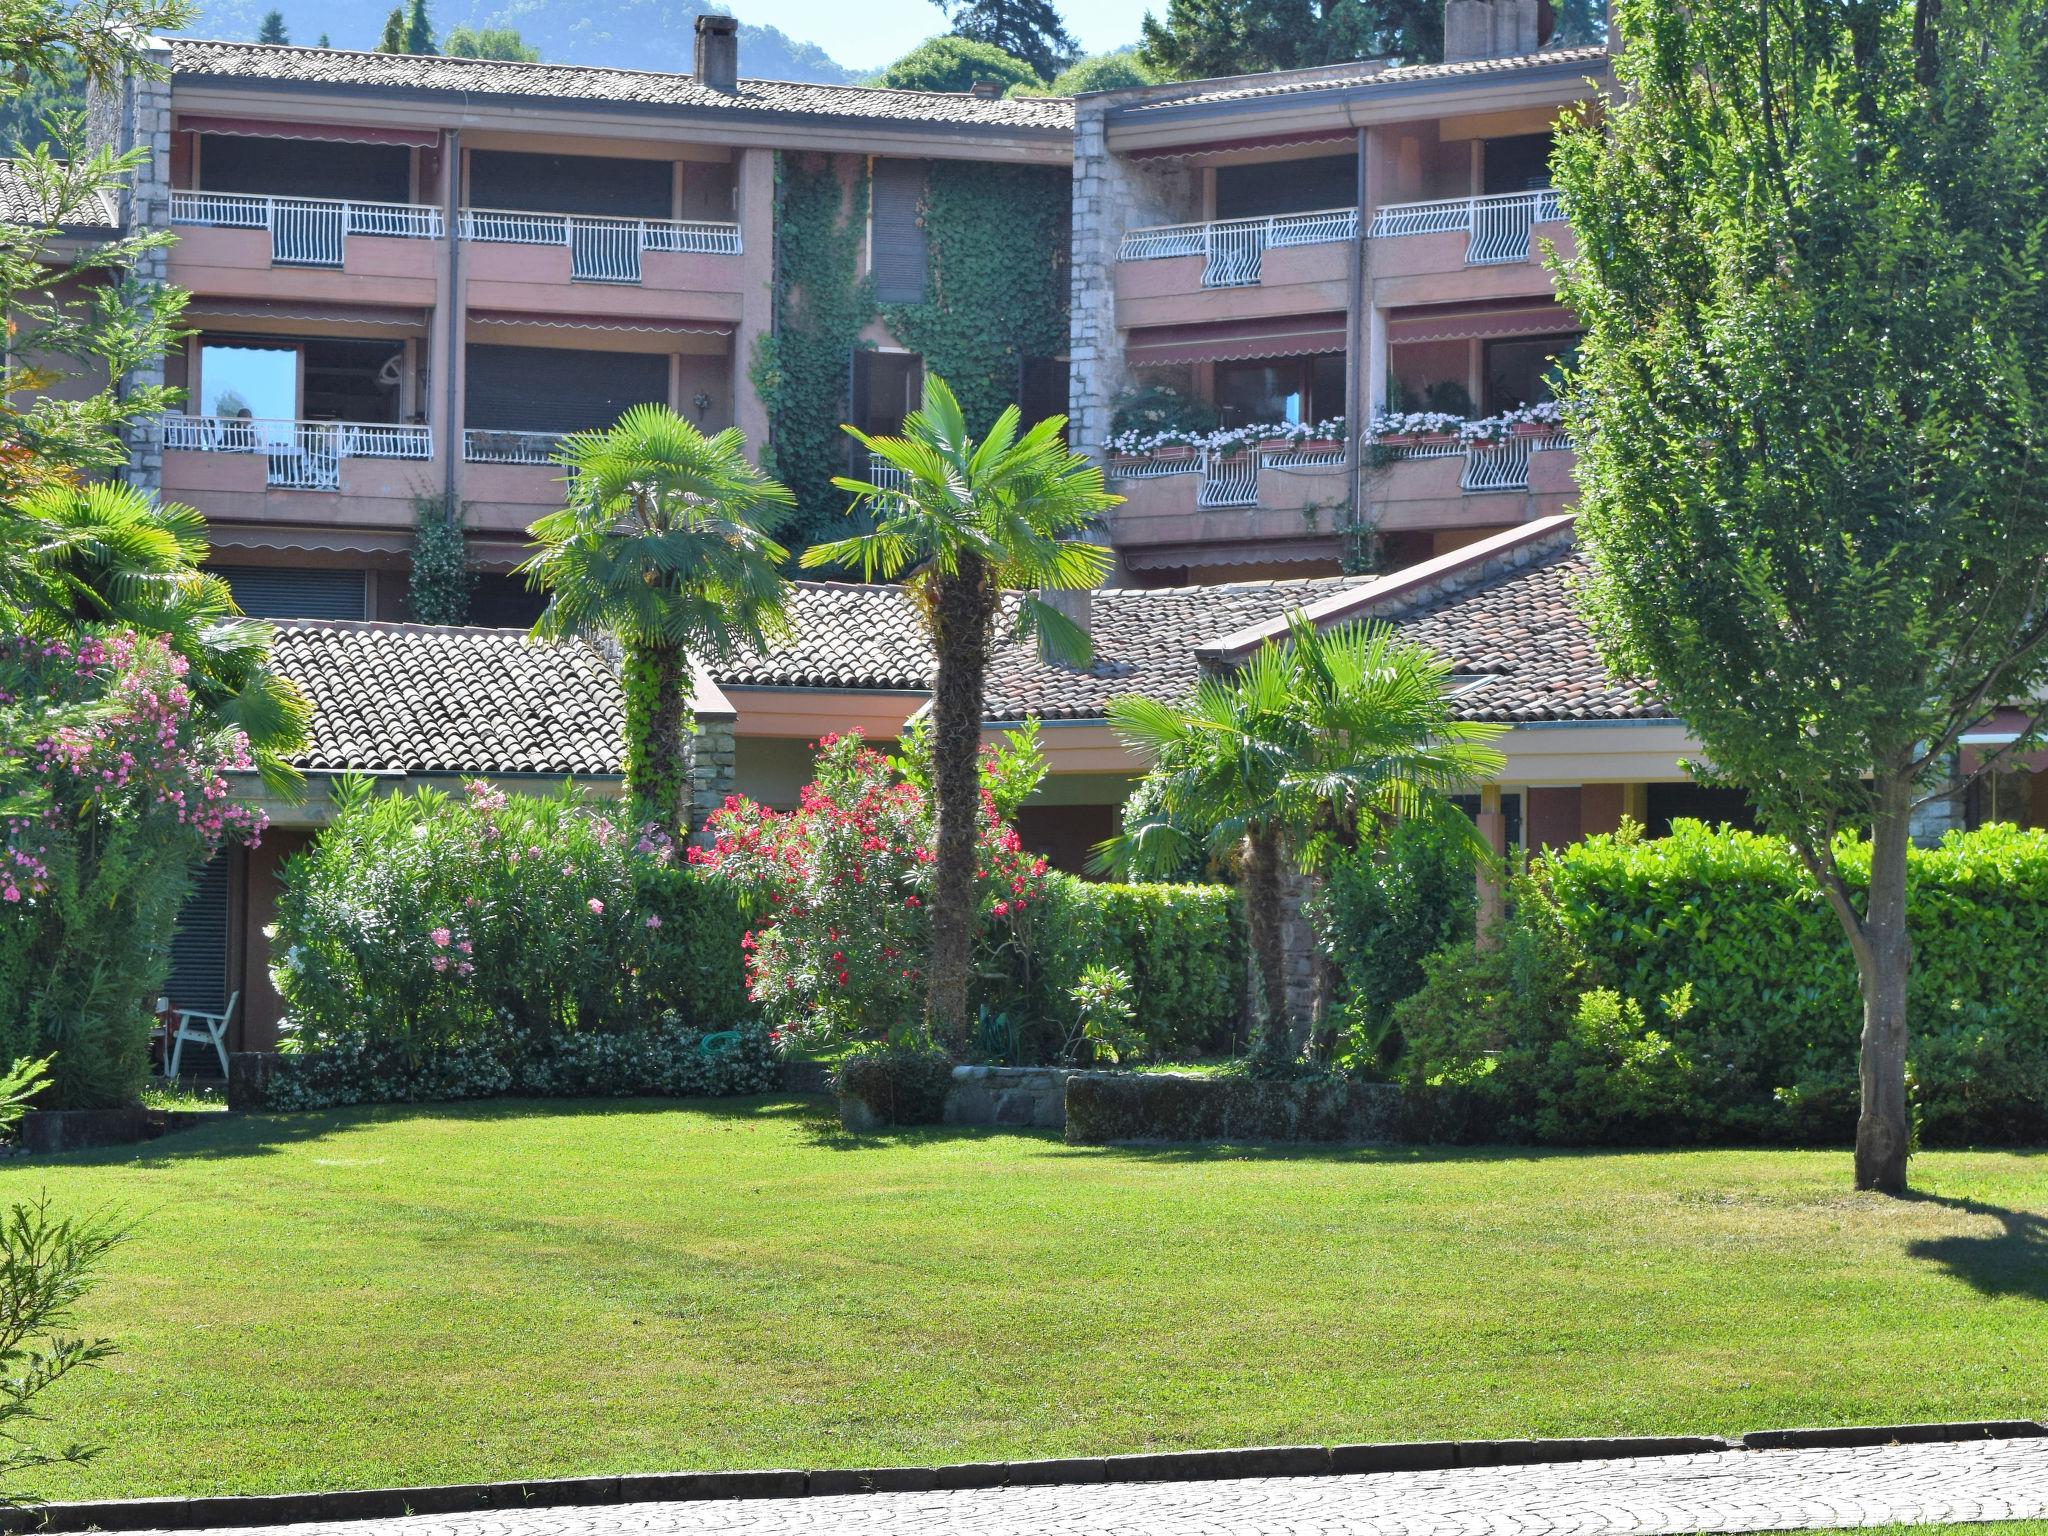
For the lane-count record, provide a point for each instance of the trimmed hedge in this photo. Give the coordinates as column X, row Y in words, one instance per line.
column 1698, row 987
column 1183, row 946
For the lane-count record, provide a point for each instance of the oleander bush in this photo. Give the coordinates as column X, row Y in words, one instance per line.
column 1697, row 988
column 436, row 946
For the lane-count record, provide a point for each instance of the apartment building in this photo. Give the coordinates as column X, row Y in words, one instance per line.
column 1270, row 269
column 411, row 275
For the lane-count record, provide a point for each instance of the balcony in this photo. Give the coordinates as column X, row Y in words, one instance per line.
column 1236, row 268
column 1454, row 484
column 510, row 478
column 568, row 262
column 1455, row 236
column 1232, row 496
column 223, row 234
column 236, row 467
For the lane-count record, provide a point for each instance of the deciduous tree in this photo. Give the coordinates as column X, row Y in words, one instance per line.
column 1813, row 396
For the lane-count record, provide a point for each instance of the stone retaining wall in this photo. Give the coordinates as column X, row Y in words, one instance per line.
column 1033, row 1096
column 1104, row 1107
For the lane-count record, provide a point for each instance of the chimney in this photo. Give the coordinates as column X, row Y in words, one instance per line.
column 1490, row 29
column 986, row 90
column 1078, row 604
column 718, row 53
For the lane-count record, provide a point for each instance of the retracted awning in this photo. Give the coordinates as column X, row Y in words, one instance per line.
column 1160, row 346
column 385, row 319
column 1473, row 322
column 1337, row 134
column 640, row 323
column 327, row 133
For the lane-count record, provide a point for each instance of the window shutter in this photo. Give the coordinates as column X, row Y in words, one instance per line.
column 199, row 942
column 551, row 389
column 898, row 260
column 286, row 592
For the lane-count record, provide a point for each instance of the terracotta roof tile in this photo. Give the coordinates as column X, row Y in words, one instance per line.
column 415, row 698
column 643, row 87
column 24, row 204
column 1370, row 73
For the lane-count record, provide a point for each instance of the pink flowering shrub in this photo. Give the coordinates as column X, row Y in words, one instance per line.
column 428, row 924
column 839, row 886
column 121, row 791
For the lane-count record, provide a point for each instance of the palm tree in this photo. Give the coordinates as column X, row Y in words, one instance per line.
column 665, row 545
column 105, row 556
column 1286, row 757
column 965, row 522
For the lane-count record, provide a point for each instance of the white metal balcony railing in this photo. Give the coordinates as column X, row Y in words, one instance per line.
column 1504, row 466
column 306, row 231
column 1496, row 228
column 486, row 445
column 601, row 250
column 299, row 455
column 1233, row 251
column 1230, row 476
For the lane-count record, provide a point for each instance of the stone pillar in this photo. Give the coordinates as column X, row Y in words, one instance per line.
column 713, row 766
column 1300, row 953
column 1111, row 196
column 135, row 114
column 1493, row 831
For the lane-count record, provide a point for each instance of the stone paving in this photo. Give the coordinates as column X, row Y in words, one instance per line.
column 1661, row 1496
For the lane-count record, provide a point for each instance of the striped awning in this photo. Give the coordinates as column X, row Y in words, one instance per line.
column 327, row 133
column 387, row 320
column 1479, row 322
column 1160, row 346
column 1224, row 148
column 640, row 323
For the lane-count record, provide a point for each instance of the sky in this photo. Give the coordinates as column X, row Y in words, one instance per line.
column 866, row 34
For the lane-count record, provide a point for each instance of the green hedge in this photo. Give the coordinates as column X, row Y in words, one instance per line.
column 1183, row 946
column 1698, row 987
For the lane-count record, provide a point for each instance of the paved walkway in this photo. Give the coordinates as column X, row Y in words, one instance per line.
column 1663, row 1496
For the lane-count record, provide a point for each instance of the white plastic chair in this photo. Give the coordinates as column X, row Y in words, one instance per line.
column 212, row 1029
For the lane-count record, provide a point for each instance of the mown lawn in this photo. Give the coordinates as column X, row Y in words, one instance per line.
column 526, row 1289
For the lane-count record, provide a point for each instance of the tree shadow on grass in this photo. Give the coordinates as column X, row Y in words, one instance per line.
column 2011, row 1262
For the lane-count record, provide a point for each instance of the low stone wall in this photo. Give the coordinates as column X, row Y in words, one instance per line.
column 1033, row 1096
column 1103, row 1107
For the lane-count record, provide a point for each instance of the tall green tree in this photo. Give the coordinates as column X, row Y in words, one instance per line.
column 272, row 30
column 467, row 42
column 665, row 545
column 419, row 29
column 1813, row 396
column 974, row 527
column 955, row 64
column 1282, row 759
column 1030, row 30
column 393, row 40
column 1197, row 39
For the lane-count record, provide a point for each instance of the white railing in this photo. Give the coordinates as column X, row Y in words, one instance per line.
column 885, row 475
column 306, row 231
column 1229, row 479
column 1154, row 469
column 1497, row 228
column 1504, row 465
column 1233, row 250
column 299, row 455
column 600, row 250
column 487, row 445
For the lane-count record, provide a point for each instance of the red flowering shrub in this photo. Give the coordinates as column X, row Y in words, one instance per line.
column 839, row 886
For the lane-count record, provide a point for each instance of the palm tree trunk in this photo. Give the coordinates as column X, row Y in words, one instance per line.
column 657, row 685
column 962, row 611
column 1260, row 883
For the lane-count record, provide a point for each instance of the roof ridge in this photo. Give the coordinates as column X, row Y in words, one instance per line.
column 413, row 627
column 595, row 69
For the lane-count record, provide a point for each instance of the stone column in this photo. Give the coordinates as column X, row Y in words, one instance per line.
column 1493, row 830
column 1301, row 953
column 136, row 114
column 713, row 766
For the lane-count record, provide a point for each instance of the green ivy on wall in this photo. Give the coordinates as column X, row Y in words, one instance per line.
column 997, row 294
column 800, row 371
column 438, row 592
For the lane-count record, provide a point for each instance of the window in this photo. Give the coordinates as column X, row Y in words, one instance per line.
column 552, row 389
column 1286, row 186
column 1510, row 810
column 898, row 259
column 296, row 592
column 1524, row 371
column 1299, row 389
column 596, row 185
column 249, row 381
column 886, row 387
column 1517, row 164
column 199, row 944
column 368, row 173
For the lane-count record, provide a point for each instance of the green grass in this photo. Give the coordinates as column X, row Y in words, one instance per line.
column 158, row 1094
column 517, row 1289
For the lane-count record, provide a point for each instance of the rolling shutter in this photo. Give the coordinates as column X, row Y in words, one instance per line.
column 286, row 592
column 549, row 389
column 898, row 257
column 1286, row 186
column 599, row 185
column 199, row 942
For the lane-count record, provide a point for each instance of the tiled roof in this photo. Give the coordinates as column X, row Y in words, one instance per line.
column 1371, row 73
column 573, row 82
column 1523, row 633
column 416, row 698
column 24, row 204
column 845, row 636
